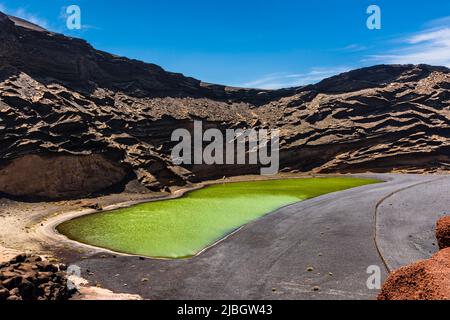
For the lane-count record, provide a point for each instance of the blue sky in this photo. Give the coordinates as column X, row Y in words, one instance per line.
column 255, row 43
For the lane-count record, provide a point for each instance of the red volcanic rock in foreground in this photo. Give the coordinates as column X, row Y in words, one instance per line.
column 443, row 232
column 424, row 280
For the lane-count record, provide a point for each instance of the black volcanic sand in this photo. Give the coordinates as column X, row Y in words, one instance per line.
column 317, row 249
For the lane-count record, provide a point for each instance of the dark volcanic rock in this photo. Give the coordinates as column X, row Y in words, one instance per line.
column 27, row 277
column 61, row 99
column 59, row 176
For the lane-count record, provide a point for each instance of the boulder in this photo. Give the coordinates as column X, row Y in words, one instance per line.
column 4, row 294
column 424, row 280
column 28, row 277
column 443, row 232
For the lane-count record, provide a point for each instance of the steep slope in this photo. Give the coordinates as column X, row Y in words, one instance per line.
column 60, row 97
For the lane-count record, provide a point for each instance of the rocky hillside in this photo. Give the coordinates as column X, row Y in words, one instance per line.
column 75, row 120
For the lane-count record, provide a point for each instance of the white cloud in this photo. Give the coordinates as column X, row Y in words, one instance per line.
column 354, row 47
column 441, row 36
column 430, row 46
column 286, row 80
column 24, row 14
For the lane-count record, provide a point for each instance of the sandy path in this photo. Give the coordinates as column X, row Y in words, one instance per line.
column 20, row 222
column 19, row 232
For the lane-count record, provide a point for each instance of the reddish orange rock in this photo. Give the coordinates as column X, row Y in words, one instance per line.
column 443, row 232
column 424, row 280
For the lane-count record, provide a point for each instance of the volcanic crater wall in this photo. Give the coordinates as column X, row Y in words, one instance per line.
column 59, row 176
column 64, row 105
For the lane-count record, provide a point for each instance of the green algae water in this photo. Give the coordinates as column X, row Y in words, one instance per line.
column 182, row 227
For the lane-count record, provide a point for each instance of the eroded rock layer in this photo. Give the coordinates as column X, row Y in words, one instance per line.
column 59, row 176
column 60, row 96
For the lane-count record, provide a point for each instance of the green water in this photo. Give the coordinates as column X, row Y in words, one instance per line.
column 183, row 227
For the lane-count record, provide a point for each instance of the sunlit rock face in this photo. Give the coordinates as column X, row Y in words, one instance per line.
column 59, row 176
column 60, row 96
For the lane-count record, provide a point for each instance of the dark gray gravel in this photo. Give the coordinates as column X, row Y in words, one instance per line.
column 316, row 249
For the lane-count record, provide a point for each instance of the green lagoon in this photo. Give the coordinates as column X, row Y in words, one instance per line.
column 181, row 228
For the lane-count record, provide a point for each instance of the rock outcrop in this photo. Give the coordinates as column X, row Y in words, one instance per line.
column 59, row 96
column 59, row 176
column 443, row 232
column 28, row 277
column 424, row 280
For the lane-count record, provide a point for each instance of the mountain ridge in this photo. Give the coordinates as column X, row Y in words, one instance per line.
column 60, row 99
